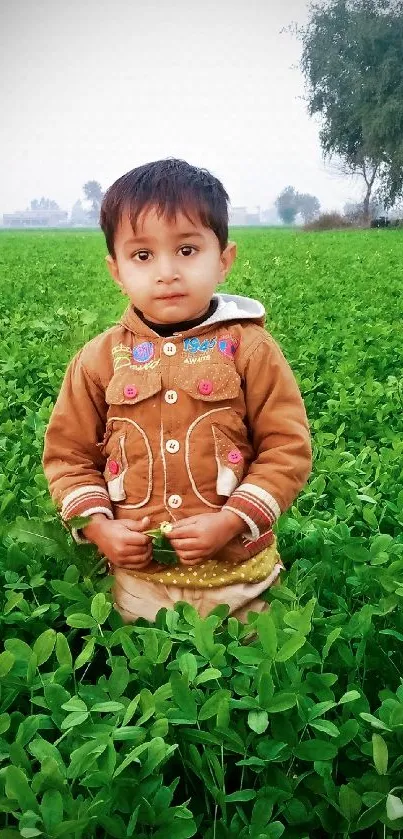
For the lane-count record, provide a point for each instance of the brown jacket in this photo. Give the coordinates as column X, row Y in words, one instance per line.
column 174, row 427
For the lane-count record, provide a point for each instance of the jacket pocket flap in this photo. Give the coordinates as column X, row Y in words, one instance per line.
column 128, row 387
column 211, row 383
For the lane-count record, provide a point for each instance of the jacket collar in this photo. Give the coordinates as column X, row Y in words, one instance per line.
column 230, row 307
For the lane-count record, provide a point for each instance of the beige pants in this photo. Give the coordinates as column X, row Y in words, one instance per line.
column 136, row 598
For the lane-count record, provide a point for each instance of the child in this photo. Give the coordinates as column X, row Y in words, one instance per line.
column 185, row 411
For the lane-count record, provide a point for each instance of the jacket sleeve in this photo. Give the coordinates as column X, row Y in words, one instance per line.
column 280, row 437
column 72, row 461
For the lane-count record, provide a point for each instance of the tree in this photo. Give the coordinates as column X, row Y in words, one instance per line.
column 44, row 204
column 352, row 61
column 290, row 202
column 79, row 216
column 287, row 205
column 309, row 206
column 93, row 192
column 355, row 211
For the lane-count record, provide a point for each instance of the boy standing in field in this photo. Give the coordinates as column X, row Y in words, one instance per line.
column 185, row 411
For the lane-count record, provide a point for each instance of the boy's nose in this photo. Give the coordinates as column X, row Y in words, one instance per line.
column 167, row 272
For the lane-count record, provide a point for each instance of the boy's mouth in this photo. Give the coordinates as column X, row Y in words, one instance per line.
column 170, row 297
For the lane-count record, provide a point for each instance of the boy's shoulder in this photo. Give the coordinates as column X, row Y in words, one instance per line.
column 244, row 318
column 97, row 354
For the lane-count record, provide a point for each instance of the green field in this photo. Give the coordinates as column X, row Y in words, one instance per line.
column 182, row 730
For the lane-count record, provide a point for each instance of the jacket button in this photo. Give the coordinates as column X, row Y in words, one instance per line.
column 113, row 466
column 130, row 391
column 172, row 446
column 169, row 348
column 171, row 396
column 205, row 387
column 234, row 456
column 174, row 501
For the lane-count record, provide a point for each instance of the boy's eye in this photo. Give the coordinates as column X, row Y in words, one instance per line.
column 143, row 255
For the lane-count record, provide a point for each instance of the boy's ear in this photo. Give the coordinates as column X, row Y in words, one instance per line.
column 227, row 259
column 113, row 270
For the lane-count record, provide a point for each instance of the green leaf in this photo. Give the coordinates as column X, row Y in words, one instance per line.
column 181, row 829
column 300, row 619
column 374, row 721
column 188, row 666
column 380, row 754
column 326, row 727
column 349, row 802
column 281, row 701
column 85, row 655
column 211, row 705
column 7, row 660
column 81, row 621
column 52, row 809
column 290, row 647
column 350, row 696
column 394, row 807
column 207, row 675
column 130, row 758
column 107, row 707
column 331, row 638
column 258, row 721
column 131, row 709
column 5, row 721
column 76, row 718
column 241, row 795
column 182, row 695
column 315, row 750
column 63, row 653
column 203, row 634
column 100, row 608
column 267, row 634
column 74, row 704
column 17, row 787
column 44, row 646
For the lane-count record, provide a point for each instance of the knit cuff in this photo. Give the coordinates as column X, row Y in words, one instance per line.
column 256, row 507
column 86, row 501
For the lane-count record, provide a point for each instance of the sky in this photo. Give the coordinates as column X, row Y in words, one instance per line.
column 92, row 88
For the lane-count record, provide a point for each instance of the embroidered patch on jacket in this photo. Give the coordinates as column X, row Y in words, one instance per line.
column 228, row 346
column 121, row 356
column 194, row 345
column 143, row 353
column 196, row 360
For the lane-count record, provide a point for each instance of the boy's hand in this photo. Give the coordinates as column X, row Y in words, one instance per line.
column 121, row 541
column 198, row 538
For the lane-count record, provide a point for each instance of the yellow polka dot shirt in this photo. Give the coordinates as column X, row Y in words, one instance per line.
column 213, row 574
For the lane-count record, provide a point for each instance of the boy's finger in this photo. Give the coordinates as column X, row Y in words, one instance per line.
column 184, row 544
column 191, row 559
column 143, row 524
column 188, row 531
column 183, row 523
column 135, row 538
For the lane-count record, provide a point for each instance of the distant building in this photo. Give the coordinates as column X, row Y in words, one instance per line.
column 36, row 218
column 237, row 216
column 270, row 217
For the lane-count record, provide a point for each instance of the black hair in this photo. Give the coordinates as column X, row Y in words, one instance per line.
column 171, row 186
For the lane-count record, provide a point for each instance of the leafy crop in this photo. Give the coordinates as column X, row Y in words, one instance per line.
column 289, row 726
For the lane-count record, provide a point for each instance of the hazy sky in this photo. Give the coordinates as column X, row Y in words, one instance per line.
column 93, row 88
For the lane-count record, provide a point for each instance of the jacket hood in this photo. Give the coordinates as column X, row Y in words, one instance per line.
column 235, row 307
column 230, row 307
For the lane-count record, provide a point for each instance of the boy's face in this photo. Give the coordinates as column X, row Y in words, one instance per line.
column 169, row 270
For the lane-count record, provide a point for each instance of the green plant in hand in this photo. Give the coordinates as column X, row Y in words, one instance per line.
column 163, row 552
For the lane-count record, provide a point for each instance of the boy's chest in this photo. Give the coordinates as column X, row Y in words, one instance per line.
column 183, row 374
